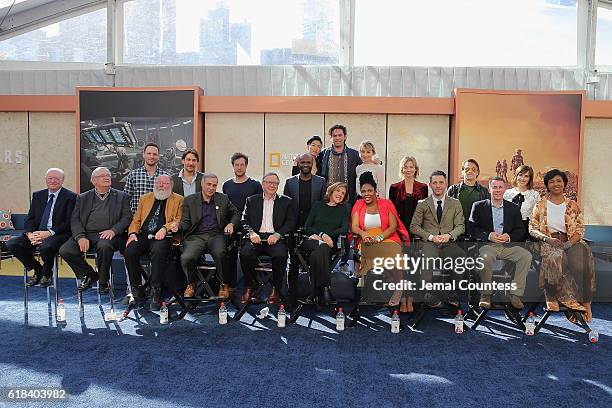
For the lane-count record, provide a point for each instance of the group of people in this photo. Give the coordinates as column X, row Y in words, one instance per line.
column 333, row 191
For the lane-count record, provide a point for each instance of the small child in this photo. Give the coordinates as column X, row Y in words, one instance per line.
column 367, row 153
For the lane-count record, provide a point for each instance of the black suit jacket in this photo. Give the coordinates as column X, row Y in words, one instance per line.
column 192, row 213
column 283, row 217
column 481, row 221
column 178, row 184
column 353, row 161
column 292, row 190
column 120, row 212
column 62, row 210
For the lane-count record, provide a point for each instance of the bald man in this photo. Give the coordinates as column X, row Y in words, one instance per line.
column 47, row 227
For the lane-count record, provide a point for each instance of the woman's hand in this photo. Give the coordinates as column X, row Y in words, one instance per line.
column 367, row 237
column 555, row 242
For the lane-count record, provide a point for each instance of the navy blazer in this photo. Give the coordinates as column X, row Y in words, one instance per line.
column 62, row 210
column 292, row 190
column 119, row 206
column 283, row 217
column 481, row 221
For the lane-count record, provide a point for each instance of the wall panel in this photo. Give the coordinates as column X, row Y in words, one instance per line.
column 14, row 162
column 596, row 172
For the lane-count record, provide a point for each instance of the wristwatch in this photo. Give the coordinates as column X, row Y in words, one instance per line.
column 544, row 239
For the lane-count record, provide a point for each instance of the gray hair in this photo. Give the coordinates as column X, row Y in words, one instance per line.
column 60, row 171
column 164, row 175
column 99, row 170
column 271, row 173
column 209, row 175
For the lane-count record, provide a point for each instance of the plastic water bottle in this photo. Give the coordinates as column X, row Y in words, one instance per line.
column 163, row 315
column 530, row 325
column 593, row 336
column 395, row 322
column 340, row 320
column 282, row 316
column 222, row 314
column 61, row 311
column 459, row 322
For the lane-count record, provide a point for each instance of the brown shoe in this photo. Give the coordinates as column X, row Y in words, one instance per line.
column 552, row 305
column 589, row 312
column 274, row 297
column 190, row 290
column 485, row 301
column 516, row 302
column 246, row 295
column 406, row 305
column 574, row 305
column 224, row 291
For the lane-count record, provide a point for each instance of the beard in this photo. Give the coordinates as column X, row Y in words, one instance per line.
column 162, row 194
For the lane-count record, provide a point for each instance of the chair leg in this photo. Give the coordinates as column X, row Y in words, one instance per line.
column 296, row 313
column 480, row 317
column 55, row 277
column 25, row 295
column 542, row 321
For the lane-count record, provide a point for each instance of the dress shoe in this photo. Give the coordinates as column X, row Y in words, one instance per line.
column 516, row 302
column 87, row 282
column 453, row 299
column 190, row 290
column 406, row 305
column 246, row 295
column 155, row 299
column 45, row 282
column 327, row 296
column 224, row 291
column 552, row 305
column 574, row 305
column 33, row 280
column 589, row 312
column 103, row 288
column 138, row 294
column 485, row 301
column 431, row 301
column 274, row 297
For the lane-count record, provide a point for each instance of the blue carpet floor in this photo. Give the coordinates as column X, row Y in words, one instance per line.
column 195, row 362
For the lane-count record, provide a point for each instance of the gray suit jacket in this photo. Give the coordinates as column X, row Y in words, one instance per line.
column 292, row 190
column 192, row 213
column 425, row 222
column 120, row 212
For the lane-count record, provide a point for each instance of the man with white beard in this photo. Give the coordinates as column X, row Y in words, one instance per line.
column 158, row 213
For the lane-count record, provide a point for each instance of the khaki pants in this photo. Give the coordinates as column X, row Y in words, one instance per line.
column 515, row 254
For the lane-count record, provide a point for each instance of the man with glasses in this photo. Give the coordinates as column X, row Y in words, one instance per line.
column 99, row 220
column 469, row 190
column 47, row 227
column 267, row 220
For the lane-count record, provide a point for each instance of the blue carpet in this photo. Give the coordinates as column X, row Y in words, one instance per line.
column 196, row 362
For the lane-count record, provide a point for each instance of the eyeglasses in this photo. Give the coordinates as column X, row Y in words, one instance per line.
column 272, row 183
column 103, row 176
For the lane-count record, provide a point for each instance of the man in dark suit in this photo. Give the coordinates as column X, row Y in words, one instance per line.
column 267, row 219
column 98, row 221
column 208, row 219
column 189, row 180
column 304, row 189
column 47, row 227
column 500, row 222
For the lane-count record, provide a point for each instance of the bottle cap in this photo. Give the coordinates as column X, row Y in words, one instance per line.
column 339, row 309
column 61, row 300
column 395, row 311
column 459, row 312
column 530, row 313
column 222, row 304
column 282, row 307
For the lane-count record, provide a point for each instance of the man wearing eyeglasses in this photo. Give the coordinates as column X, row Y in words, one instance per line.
column 267, row 220
column 99, row 220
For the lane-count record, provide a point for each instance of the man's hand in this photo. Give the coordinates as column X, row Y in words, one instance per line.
column 497, row 238
column 255, row 238
column 40, row 236
column 161, row 234
column 315, row 237
column 327, row 239
column 229, row 229
column 273, row 239
column 83, row 244
column 131, row 239
column 444, row 238
column 505, row 237
column 108, row 234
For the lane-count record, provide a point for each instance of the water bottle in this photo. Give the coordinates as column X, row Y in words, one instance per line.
column 593, row 336
column 530, row 325
column 459, row 322
column 340, row 320
column 282, row 316
column 163, row 315
column 222, row 314
column 395, row 322
column 61, row 311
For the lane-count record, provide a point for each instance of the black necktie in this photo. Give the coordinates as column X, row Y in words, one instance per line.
column 519, row 199
column 439, row 211
column 45, row 218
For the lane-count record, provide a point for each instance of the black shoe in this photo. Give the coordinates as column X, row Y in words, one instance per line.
column 86, row 283
column 45, row 282
column 155, row 299
column 431, row 300
column 103, row 288
column 33, row 280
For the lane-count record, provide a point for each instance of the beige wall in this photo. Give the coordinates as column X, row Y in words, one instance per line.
column 285, row 138
column 227, row 133
column 14, row 162
column 596, row 172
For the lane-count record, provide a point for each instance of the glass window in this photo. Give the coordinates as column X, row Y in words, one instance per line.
column 466, row 33
column 243, row 32
column 78, row 39
column 603, row 42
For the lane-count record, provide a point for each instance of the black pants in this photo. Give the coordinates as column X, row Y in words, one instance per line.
column 294, row 268
column 232, row 266
column 104, row 249
column 319, row 258
column 214, row 243
column 160, row 250
column 23, row 250
column 248, row 260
